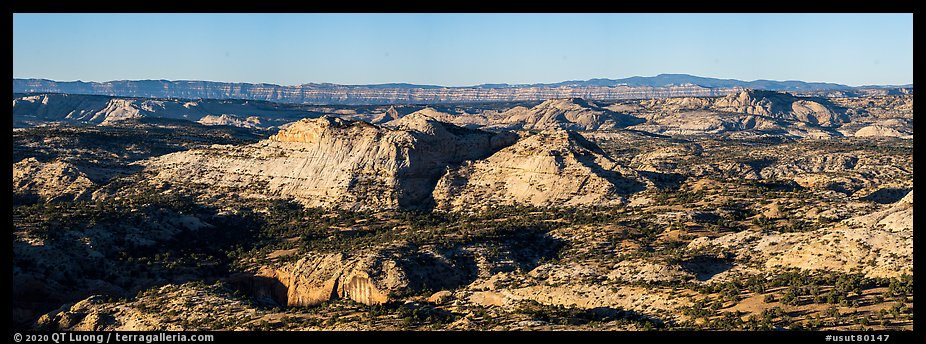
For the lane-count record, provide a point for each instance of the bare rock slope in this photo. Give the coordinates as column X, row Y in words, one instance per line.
column 748, row 110
column 252, row 122
column 50, row 181
column 782, row 106
column 879, row 244
column 332, row 162
column 554, row 167
column 571, row 113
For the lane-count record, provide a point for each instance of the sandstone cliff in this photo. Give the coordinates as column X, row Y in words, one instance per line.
column 370, row 276
column 364, row 94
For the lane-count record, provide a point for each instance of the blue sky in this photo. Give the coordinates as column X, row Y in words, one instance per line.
column 462, row 49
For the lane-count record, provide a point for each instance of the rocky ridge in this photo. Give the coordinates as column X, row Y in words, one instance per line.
column 746, row 111
column 332, row 162
column 360, row 94
column 105, row 110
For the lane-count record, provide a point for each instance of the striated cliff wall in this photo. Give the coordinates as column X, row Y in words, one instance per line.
column 359, row 94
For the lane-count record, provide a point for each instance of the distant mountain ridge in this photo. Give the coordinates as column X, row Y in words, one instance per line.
column 663, row 80
column 663, row 85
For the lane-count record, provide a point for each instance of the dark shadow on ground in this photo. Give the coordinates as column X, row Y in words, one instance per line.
column 886, row 195
column 705, row 267
column 667, row 181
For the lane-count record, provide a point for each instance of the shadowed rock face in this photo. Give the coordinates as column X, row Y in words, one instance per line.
column 260, row 288
column 52, row 107
column 554, row 167
column 390, row 114
column 332, row 162
column 370, row 277
column 705, row 267
column 889, row 195
column 396, row 270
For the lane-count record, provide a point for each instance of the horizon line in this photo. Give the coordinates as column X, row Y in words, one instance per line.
column 466, row 86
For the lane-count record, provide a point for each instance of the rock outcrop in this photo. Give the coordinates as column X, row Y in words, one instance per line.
column 252, row 122
column 678, row 104
column 574, row 114
column 332, row 162
column 390, row 114
column 53, row 107
column 467, row 120
column 747, row 113
column 781, row 106
column 172, row 307
column 313, row 280
column 369, row 276
column 52, row 181
column 898, row 128
column 554, row 167
column 896, row 217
